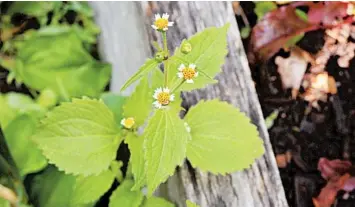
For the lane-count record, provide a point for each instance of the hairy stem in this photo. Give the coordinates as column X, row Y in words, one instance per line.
column 166, row 54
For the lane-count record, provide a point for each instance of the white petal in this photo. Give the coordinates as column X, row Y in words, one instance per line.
column 189, row 81
column 171, row 98
column 154, row 27
column 159, row 90
column 157, row 104
column 196, row 74
column 192, row 66
column 165, row 29
column 166, row 90
column 181, row 67
column 180, row 74
column 123, row 121
column 165, row 16
column 170, row 24
column 157, row 16
column 156, row 92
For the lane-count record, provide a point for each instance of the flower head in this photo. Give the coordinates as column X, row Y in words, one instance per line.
column 162, row 97
column 127, row 123
column 162, row 23
column 187, row 73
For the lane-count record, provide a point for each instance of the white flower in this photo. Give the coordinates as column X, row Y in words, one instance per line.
column 162, row 97
column 162, row 23
column 187, row 73
column 188, row 128
column 127, row 123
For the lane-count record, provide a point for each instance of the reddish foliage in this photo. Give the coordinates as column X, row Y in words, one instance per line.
column 336, row 172
column 327, row 12
column 278, row 26
column 328, row 194
column 332, row 168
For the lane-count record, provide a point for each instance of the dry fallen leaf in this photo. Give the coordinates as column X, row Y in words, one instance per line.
column 292, row 70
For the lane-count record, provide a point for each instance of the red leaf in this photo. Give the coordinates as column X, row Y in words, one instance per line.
column 273, row 31
column 333, row 168
column 328, row 194
column 277, row 27
column 327, row 12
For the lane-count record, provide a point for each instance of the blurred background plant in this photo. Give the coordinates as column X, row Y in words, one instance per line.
column 48, row 55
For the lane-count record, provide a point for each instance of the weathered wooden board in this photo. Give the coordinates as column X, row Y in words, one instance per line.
column 259, row 186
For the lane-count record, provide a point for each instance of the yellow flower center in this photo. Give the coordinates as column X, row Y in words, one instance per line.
column 129, row 122
column 161, row 23
column 163, row 98
column 188, row 73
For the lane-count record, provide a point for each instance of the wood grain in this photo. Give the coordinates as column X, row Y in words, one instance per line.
column 259, row 186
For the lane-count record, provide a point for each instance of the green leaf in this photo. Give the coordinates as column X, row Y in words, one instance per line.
column 32, row 8
column 157, row 202
column 269, row 121
column 47, row 98
column 191, row 204
column 91, row 188
column 123, row 196
column 209, row 49
column 165, row 140
column 135, row 145
column 69, row 70
column 245, row 32
column 80, row 137
column 302, row 15
column 81, row 7
column 14, row 104
column 148, row 66
column 293, row 41
column 115, row 103
column 223, row 139
column 115, row 168
column 4, row 203
column 27, row 156
column 263, row 7
column 139, row 104
column 52, row 188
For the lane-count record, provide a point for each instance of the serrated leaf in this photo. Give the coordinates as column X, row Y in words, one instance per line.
column 157, row 202
column 135, row 145
column 123, row 196
column 148, row 66
column 139, row 104
column 27, row 156
column 80, row 137
column 165, row 140
column 69, row 70
column 115, row 103
column 52, row 188
column 223, row 139
column 209, row 49
column 91, row 188
column 191, row 204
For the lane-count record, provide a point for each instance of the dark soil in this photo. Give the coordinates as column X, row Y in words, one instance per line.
column 328, row 132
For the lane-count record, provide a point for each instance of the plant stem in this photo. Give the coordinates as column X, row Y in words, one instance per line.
column 166, row 51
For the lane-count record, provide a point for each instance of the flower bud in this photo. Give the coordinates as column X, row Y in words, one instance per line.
column 159, row 56
column 186, row 47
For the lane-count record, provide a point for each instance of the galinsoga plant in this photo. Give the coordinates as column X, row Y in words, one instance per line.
column 81, row 137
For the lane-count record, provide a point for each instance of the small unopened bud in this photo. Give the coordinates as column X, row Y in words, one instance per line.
column 160, row 56
column 186, row 47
